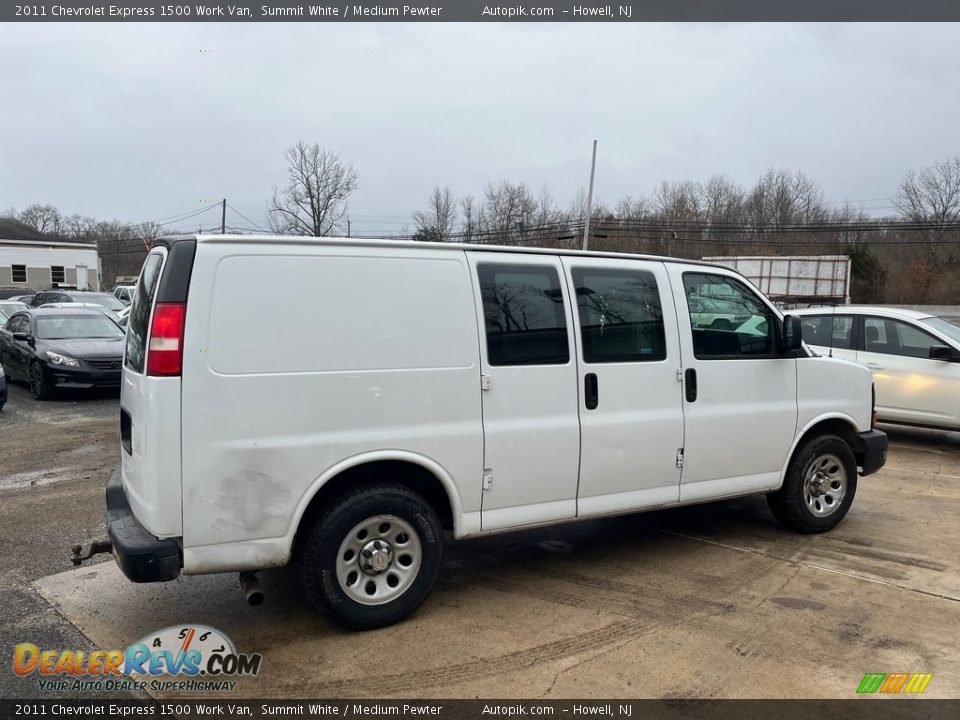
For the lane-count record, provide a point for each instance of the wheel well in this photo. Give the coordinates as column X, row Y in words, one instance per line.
column 407, row 474
column 834, row 426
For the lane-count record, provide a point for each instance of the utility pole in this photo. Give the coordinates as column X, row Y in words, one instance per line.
column 348, row 227
column 586, row 224
column 223, row 218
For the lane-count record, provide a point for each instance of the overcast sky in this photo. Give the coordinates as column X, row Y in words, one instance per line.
column 146, row 121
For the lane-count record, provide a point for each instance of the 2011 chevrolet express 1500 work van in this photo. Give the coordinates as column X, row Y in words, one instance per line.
column 393, row 391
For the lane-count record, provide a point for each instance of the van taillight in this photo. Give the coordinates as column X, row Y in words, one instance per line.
column 165, row 348
column 873, row 407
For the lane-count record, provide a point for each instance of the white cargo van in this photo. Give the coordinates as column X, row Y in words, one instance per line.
column 392, row 394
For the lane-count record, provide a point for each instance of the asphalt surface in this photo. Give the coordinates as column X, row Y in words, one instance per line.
column 709, row 601
column 56, row 457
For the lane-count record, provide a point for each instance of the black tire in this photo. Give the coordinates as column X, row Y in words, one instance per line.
column 321, row 551
column 789, row 505
column 38, row 382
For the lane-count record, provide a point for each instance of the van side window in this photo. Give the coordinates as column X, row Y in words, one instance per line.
column 139, row 318
column 524, row 315
column 621, row 319
column 828, row 330
column 728, row 320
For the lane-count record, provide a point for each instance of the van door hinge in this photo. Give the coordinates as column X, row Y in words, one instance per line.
column 487, row 479
column 484, row 382
column 680, row 458
column 679, row 374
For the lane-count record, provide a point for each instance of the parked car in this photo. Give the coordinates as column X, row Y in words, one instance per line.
column 113, row 315
column 3, row 388
column 124, row 293
column 14, row 293
column 716, row 313
column 8, row 308
column 123, row 316
column 105, row 300
column 50, row 348
column 408, row 390
column 914, row 357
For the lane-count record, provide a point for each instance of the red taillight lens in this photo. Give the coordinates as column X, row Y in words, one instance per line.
column 165, row 349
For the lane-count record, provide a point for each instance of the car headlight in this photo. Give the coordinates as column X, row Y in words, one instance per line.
column 58, row 359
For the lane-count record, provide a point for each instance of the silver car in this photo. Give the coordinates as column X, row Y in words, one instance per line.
column 914, row 356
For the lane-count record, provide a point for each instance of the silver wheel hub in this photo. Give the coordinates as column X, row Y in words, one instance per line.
column 379, row 559
column 825, row 485
column 376, row 556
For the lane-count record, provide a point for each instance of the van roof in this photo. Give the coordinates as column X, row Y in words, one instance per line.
column 413, row 244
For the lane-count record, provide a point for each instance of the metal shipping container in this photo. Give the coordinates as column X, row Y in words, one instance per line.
column 795, row 278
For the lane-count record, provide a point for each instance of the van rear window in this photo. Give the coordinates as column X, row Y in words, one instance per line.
column 139, row 321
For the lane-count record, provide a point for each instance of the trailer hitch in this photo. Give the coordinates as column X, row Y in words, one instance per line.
column 100, row 546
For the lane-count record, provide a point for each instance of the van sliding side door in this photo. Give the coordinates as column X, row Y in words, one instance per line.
column 631, row 412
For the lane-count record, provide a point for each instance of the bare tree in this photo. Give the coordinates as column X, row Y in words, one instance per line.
column 932, row 197
column 42, row 218
column 314, row 200
column 472, row 218
column 438, row 221
column 510, row 207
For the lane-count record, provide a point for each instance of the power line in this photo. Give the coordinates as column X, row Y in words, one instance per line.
column 246, row 218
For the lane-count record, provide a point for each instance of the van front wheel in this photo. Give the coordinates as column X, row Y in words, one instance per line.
column 819, row 487
column 373, row 557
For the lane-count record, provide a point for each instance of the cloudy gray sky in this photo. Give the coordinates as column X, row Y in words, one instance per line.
column 145, row 121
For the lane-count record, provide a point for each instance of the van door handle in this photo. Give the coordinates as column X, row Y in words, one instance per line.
column 690, row 384
column 874, row 366
column 591, row 397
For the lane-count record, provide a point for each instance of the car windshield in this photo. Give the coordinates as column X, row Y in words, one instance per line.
column 107, row 301
column 944, row 326
column 9, row 308
column 67, row 327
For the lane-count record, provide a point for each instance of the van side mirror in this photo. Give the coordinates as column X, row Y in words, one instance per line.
column 792, row 334
column 942, row 352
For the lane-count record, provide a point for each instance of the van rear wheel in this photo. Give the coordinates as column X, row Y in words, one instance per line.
column 373, row 557
column 819, row 487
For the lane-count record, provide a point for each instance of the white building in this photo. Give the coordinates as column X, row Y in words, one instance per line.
column 40, row 264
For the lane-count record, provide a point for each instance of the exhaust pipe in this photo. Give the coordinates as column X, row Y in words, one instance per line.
column 250, row 587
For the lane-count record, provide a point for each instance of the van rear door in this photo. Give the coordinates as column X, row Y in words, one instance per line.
column 150, row 404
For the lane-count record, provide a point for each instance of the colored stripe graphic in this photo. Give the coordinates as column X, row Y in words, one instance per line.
column 871, row 682
column 918, row 682
column 894, row 683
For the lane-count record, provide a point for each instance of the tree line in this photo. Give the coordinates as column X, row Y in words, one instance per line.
column 910, row 255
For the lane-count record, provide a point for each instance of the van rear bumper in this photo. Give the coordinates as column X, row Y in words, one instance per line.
column 141, row 556
column 871, row 451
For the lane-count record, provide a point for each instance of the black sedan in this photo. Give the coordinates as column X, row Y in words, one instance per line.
column 62, row 347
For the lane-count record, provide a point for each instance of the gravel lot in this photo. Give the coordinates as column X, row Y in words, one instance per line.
column 709, row 601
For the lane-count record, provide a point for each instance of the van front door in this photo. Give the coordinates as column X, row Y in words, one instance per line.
column 631, row 414
column 529, row 390
column 740, row 393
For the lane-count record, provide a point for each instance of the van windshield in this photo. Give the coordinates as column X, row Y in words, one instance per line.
column 139, row 318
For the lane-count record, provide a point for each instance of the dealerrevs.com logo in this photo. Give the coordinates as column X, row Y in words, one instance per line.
column 201, row 657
